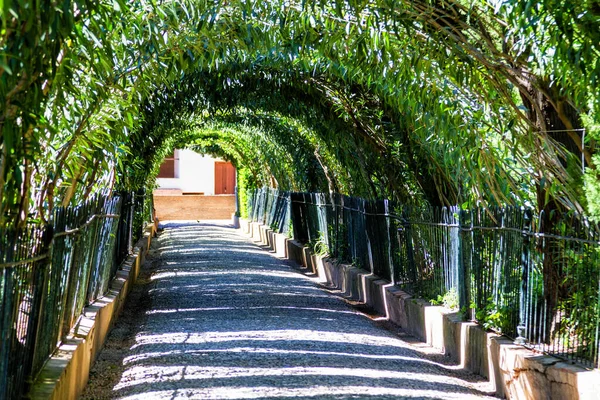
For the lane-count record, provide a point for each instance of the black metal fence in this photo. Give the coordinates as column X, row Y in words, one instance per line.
column 49, row 274
column 270, row 207
column 498, row 266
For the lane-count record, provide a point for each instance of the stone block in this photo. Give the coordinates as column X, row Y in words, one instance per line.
column 522, row 374
column 375, row 296
column 270, row 236
column 244, row 226
column 337, row 272
column 281, row 245
column 307, row 260
column 255, row 231
column 369, row 290
column 331, row 273
column 564, row 378
column 349, row 282
column 403, row 301
column 319, row 268
column 345, row 285
column 395, row 313
column 477, row 350
column 517, row 372
column 315, row 260
column 588, row 384
column 451, row 327
column 415, row 318
column 262, row 238
column 434, row 326
column 358, row 291
column 294, row 251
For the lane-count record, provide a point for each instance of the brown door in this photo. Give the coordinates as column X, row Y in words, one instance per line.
column 224, row 178
column 167, row 168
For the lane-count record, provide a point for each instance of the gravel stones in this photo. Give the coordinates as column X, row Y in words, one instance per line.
column 214, row 316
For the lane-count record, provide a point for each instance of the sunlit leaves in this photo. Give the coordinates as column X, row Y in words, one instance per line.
column 395, row 97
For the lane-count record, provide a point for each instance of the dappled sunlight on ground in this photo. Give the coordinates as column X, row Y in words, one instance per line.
column 218, row 318
column 347, row 339
column 308, row 392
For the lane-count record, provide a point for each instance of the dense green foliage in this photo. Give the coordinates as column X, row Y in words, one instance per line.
column 446, row 102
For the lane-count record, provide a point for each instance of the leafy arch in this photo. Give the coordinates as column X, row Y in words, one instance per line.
column 468, row 97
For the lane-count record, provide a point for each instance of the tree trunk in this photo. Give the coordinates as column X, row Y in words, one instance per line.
column 560, row 126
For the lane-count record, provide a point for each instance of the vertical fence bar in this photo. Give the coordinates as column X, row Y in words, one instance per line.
column 463, row 271
column 525, row 265
column 410, row 257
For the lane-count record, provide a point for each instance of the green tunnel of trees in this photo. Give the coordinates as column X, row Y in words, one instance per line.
column 419, row 101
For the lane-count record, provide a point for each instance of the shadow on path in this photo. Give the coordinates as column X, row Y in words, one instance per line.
column 215, row 317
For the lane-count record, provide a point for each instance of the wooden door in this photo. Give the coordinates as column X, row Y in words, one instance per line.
column 224, row 178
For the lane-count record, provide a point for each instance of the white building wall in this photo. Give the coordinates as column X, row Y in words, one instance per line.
column 195, row 174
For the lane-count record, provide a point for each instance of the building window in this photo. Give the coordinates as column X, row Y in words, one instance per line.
column 167, row 168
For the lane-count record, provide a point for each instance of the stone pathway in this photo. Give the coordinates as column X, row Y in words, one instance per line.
column 214, row 316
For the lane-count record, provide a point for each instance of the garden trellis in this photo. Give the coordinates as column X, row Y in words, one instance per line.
column 441, row 103
column 488, row 264
column 428, row 104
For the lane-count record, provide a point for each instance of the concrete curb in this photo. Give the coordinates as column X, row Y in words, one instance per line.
column 66, row 373
column 515, row 372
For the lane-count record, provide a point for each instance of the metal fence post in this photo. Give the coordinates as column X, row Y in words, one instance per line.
column 409, row 247
column 525, row 264
column 237, row 200
column 390, row 259
column 463, row 274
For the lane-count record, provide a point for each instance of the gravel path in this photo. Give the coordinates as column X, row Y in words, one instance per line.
column 214, row 316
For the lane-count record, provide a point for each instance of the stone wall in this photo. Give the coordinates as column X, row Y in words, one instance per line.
column 194, row 207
